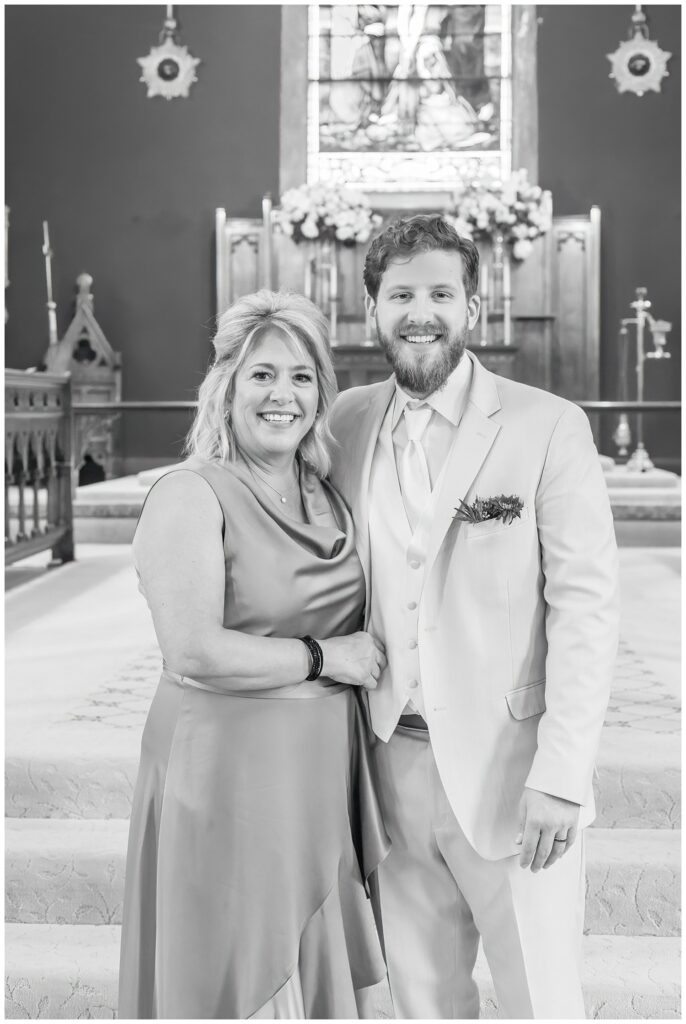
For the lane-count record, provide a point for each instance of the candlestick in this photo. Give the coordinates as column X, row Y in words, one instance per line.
column 483, row 281
column 267, row 238
column 334, row 294
column 52, row 308
column 507, row 300
column 308, row 275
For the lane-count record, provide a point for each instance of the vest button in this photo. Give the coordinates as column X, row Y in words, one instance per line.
column 412, row 605
column 413, row 684
column 412, row 644
column 414, row 564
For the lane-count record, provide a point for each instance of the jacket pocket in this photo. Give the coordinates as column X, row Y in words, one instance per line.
column 488, row 528
column 526, row 701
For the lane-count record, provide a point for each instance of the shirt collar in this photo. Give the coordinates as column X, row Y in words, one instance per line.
column 449, row 400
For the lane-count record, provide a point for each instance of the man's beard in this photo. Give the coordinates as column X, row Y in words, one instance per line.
column 425, row 372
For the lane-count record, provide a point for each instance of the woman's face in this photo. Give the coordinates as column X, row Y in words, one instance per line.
column 275, row 399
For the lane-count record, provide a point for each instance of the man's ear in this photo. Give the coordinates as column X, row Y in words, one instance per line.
column 473, row 307
column 370, row 305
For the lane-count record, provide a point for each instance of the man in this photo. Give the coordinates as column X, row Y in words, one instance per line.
column 500, row 626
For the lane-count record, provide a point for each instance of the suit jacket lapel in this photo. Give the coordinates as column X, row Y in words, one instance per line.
column 473, row 441
column 359, row 460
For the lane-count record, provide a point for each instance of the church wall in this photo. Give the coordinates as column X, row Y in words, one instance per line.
column 622, row 153
column 129, row 185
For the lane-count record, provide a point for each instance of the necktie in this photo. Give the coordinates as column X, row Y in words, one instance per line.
column 415, row 482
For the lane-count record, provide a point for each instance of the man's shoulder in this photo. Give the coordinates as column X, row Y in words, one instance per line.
column 534, row 403
column 350, row 404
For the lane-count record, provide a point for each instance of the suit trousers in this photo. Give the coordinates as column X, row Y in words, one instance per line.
column 437, row 896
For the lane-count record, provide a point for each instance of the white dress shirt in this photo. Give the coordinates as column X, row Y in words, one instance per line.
column 448, row 404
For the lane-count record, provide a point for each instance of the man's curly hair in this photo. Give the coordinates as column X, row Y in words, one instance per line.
column 408, row 236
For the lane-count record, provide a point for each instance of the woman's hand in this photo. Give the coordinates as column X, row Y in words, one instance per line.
column 358, row 659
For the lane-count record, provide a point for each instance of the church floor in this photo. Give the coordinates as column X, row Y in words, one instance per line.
column 81, row 667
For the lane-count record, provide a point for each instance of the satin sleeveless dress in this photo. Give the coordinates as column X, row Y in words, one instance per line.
column 255, row 823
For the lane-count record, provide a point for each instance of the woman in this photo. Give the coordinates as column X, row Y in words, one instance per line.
column 254, row 822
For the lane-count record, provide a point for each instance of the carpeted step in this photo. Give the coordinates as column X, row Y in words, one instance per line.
column 61, row 972
column 65, row 871
column 65, row 785
column 638, row 783
column 633, row 881
column 68, row 972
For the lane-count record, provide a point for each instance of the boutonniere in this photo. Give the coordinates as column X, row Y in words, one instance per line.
column 505, row 507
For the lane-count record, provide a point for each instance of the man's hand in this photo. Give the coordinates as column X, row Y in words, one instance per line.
column 548, row 826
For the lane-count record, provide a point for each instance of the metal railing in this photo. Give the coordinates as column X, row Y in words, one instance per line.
column 38, row 465
column 180, row 406
column 597, row 410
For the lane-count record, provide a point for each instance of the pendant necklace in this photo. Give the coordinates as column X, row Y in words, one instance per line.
column 283, row 499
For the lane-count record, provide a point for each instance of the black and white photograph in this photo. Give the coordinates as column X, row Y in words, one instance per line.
column 343, row 511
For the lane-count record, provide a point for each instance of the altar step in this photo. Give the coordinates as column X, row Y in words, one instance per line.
column 638, row 784
column 646, row 506
column 71, row 872
column 79, row 686
column 69, row 972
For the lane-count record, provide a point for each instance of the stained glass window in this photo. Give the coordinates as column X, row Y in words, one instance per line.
column 408, row 95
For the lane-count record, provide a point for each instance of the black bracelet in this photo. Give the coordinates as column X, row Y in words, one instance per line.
column 316, row 657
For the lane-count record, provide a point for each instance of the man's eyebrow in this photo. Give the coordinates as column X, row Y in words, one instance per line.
column 407, row 286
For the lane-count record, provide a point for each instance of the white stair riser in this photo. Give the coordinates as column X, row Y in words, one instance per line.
column 72, row 887
column 626, row 797
column 64, row 789
column 632, row 899
column 69, row 990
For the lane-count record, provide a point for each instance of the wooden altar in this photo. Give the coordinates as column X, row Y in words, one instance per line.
column 556, row 302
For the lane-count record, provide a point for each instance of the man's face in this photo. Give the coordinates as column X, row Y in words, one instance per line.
column 422, row 318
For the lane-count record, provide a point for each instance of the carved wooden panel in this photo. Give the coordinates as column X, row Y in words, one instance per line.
column 239, row 258
column 575, row 287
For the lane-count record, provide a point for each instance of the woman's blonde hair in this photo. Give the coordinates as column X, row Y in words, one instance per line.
column 212, row 437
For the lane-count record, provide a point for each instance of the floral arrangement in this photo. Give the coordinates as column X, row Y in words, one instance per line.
column 326, row 213
column 514, row 209
column 506, row 507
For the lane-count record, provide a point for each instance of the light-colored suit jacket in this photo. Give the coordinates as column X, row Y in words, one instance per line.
column 518, row 623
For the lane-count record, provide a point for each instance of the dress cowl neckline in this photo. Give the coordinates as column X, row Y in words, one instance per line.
column 328, row 533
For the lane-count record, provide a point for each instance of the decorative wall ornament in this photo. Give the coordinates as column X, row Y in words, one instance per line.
column 169, row 69
column 639, row 65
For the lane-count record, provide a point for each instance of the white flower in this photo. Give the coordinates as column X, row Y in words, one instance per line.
column 462, row 227
column 322, row 209
column 521, row 249
column 309, row 228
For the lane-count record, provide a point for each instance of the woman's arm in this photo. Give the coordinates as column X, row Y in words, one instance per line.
column 179, row 553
